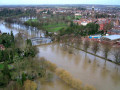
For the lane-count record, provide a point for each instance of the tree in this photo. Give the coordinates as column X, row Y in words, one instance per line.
column 12, row 36
column 23, row 77
column 29, row 43
column 95, row 47
column 6, row 70
column 86, row 45
column 107, row 27
column 92, row 28
column 78, row 41
column 116, row 54
column 5, row 75
column 30, row 51
column 3, row 80
column 6, row 40
column 106, row 49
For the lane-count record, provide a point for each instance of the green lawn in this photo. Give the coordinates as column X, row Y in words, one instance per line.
column 32, row 20
column 78, row 17
column 54, row 27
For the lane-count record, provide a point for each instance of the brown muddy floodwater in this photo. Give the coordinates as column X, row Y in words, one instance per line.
column 89, row 69
column 56, row 84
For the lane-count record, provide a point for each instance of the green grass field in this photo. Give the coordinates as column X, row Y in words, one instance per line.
column 54, row 27
column 78, row 17
column 32, row 20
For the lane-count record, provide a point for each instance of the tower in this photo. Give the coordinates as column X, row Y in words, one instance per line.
column 93, row 8
column 93, row 12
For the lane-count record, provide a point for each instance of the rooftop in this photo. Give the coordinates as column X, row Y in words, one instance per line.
column 112, row 37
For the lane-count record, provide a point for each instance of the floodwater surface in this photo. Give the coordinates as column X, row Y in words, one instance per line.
column 85, row 67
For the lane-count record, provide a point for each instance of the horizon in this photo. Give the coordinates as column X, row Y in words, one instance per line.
column 58, row 2
column 55, row 4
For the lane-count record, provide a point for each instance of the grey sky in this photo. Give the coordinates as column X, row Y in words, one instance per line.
column 105, row 2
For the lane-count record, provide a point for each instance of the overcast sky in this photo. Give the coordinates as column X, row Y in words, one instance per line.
column 18, row 2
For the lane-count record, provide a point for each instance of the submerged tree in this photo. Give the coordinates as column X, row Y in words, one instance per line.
column 106, row 49
column 116, row 54
column 78, row 41
column 86, row 45
column 95, row 47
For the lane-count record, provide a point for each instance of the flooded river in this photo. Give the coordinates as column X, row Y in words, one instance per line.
column 89, row 69
column 85, row 67
column 56, row 84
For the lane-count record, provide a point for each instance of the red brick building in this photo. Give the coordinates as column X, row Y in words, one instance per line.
column 102, row 22
column 83, row 22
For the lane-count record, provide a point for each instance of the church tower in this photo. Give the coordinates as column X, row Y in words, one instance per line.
column 93, row 12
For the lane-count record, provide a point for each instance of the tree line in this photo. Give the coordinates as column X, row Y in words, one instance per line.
column 91, row 46
column 76, row 29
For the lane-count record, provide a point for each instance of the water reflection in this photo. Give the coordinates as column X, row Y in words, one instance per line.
column 104, row 71
column 31, row 31
column 89, row 69
column 56, row 84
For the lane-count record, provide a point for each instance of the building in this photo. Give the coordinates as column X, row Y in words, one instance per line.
column 83, row 22
column 93, row 12
column 102, row 22
column 111, row 37
column 95, row 36
column 114, row 32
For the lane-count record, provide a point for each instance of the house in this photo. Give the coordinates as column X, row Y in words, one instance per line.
column 114, row 32
column 83, row 22
column 2, row 47
column 102, row 22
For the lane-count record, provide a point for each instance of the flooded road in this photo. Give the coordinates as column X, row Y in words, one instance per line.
column 85, row 67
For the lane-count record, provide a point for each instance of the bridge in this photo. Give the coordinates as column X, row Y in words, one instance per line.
column 40, row 40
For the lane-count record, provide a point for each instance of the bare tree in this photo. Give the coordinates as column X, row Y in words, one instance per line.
column 78, row 42
column 86, row 45
column 106, row 49
column 116, row 54
column 95, row 47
